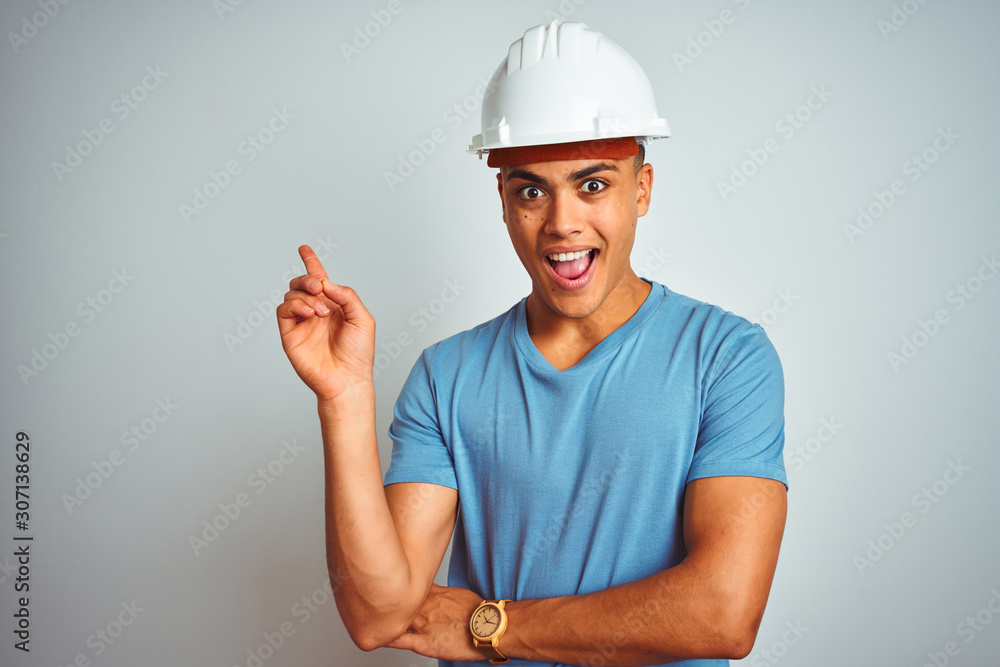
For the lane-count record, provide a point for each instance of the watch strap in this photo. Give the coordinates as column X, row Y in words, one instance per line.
column 491, row 653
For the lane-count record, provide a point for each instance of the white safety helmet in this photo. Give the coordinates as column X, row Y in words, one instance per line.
column 564, row 82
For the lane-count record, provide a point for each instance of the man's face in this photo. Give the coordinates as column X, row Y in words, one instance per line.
column 587, row 209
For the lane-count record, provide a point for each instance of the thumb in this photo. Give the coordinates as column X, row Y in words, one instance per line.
column 348, row 300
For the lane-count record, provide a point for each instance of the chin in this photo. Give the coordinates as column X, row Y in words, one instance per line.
column 575, row 306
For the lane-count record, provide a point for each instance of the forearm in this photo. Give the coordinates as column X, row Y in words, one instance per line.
column 708, row 606
column 682, row 613
column 364, row 553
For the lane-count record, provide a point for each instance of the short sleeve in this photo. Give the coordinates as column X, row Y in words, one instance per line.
column 419, row 453
column 742, row 430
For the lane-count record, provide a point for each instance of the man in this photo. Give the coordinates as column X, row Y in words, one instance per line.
column 607, row 452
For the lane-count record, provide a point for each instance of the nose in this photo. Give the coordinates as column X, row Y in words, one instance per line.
column 564, row 216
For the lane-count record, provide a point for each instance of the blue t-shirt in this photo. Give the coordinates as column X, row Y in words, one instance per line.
column 573, row 481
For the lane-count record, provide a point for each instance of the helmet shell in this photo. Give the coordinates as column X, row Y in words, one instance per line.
column 564, row 82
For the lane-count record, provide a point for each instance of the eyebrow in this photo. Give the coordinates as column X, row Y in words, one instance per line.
column 575, row 176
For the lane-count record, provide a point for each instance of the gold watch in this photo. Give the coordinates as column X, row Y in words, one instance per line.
column 487, row 625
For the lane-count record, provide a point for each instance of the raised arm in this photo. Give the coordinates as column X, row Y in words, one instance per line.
column 383, row 545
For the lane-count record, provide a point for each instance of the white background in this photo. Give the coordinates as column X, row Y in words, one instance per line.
column 182, row 329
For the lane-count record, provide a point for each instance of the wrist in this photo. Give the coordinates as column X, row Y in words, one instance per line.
column 354, row 401
column 509, row 642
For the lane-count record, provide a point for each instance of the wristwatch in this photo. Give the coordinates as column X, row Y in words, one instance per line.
column 487, row 625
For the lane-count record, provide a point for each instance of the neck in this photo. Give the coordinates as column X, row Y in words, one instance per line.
column 565, row 340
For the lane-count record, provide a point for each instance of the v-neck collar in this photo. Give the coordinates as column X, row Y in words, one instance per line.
column 610, row 343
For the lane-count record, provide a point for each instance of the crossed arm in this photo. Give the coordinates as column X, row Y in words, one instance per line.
column 384, row 546
column 708, row 606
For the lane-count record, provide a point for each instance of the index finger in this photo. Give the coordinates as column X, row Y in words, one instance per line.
column 313, row 266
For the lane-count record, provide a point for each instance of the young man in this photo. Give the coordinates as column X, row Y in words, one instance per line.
column 608, row 453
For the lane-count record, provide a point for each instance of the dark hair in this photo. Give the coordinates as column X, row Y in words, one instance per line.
column 640, row 158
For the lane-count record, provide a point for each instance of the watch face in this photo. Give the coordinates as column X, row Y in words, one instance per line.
column 486, row 620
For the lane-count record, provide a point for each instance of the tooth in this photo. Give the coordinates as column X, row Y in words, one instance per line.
column 568, row 256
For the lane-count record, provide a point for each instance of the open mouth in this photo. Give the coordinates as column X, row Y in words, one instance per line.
column 572, row 265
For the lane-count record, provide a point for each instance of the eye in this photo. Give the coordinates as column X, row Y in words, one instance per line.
column 529, row 192
column 593, row 186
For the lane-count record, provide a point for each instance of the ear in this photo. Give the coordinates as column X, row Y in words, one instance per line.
column 643, row 188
